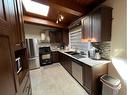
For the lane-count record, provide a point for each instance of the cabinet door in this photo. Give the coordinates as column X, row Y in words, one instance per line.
column 56, row 36
column 101, row 24
column 66, row 36
column 96, row 26
column 59, row 36
column 87, row 78
column 7, row 83
column 21, row 22
column 15, row 24
column 19, row 29
column 68, row 64
column 52, row 37
column 86, row 28
column 55, row 57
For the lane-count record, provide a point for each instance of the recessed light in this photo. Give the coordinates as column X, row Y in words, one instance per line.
column 36, row 8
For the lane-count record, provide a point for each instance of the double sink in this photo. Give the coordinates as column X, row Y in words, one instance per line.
column 75, row 54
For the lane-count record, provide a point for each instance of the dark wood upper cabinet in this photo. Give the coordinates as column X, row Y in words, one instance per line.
column 56, row 36
column 65, row 36
column 59, row 36
column 21, row 22
column 96, row 27
column 16, row 20
column 19, row 25
column 86, row 28
column 52, row 36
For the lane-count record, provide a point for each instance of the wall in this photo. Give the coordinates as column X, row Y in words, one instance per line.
column 105, row 47
column 118, row 68
column 126, row 28
column 34, row 31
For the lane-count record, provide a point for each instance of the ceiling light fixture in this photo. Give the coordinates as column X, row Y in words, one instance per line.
column 36, row 8
column 59, row 18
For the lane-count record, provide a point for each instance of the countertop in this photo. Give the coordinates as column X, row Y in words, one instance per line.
column 87, row 60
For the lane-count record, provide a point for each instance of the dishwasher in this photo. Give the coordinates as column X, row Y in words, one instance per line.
column 77, row 72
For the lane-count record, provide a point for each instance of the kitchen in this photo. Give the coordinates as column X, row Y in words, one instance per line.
column 68, row 51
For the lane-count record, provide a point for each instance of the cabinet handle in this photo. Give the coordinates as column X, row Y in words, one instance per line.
column 22, row 43
column 17, row 44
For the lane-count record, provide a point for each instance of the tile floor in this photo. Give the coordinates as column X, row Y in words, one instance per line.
column 54, row 80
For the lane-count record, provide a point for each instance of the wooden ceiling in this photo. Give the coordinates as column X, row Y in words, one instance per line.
column 70, row 9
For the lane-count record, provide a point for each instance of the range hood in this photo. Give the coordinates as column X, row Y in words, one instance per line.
column 45, row 38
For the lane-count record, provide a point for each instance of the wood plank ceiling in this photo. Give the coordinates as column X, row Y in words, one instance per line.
column 70, row 9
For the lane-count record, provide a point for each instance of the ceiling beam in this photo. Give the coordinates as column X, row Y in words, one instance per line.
column 64, row 6
column 33, row 20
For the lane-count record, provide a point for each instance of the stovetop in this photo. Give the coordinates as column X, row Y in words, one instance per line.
column 44, row 50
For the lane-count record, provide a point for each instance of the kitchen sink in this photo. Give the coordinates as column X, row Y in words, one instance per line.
column 78, row 56
column 72, row 52
column 75, row 54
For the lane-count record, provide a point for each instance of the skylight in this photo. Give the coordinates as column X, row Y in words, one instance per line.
column 36, row 8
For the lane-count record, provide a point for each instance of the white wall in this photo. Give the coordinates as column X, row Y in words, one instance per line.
column 32, row 31
column 126, row 28
column 118, row 68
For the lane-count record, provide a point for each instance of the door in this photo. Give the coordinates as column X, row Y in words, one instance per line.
column 55, row 57
column 7, row 86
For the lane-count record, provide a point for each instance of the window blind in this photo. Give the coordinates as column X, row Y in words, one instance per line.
column 75, row 36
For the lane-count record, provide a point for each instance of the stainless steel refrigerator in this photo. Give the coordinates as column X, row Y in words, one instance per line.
column 33, row 50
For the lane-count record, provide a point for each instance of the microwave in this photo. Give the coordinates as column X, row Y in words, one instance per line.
column 18, row 64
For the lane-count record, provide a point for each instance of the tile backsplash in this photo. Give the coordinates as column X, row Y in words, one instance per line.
column 53, row 46
column 105, row 47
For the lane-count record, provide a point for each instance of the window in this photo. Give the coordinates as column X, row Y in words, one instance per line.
column 36, row 8
column 75, row 40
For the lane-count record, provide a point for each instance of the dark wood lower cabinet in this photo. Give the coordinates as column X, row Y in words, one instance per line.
column 55, row 56
column 90, row 74
column 87, row 78
column 66, row 62
column 25, row 87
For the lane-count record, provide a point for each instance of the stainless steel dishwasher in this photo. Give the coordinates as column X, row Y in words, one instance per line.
column 77, row 72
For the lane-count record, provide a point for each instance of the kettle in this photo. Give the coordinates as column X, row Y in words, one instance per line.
column 94, row 53
column 97, row 54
